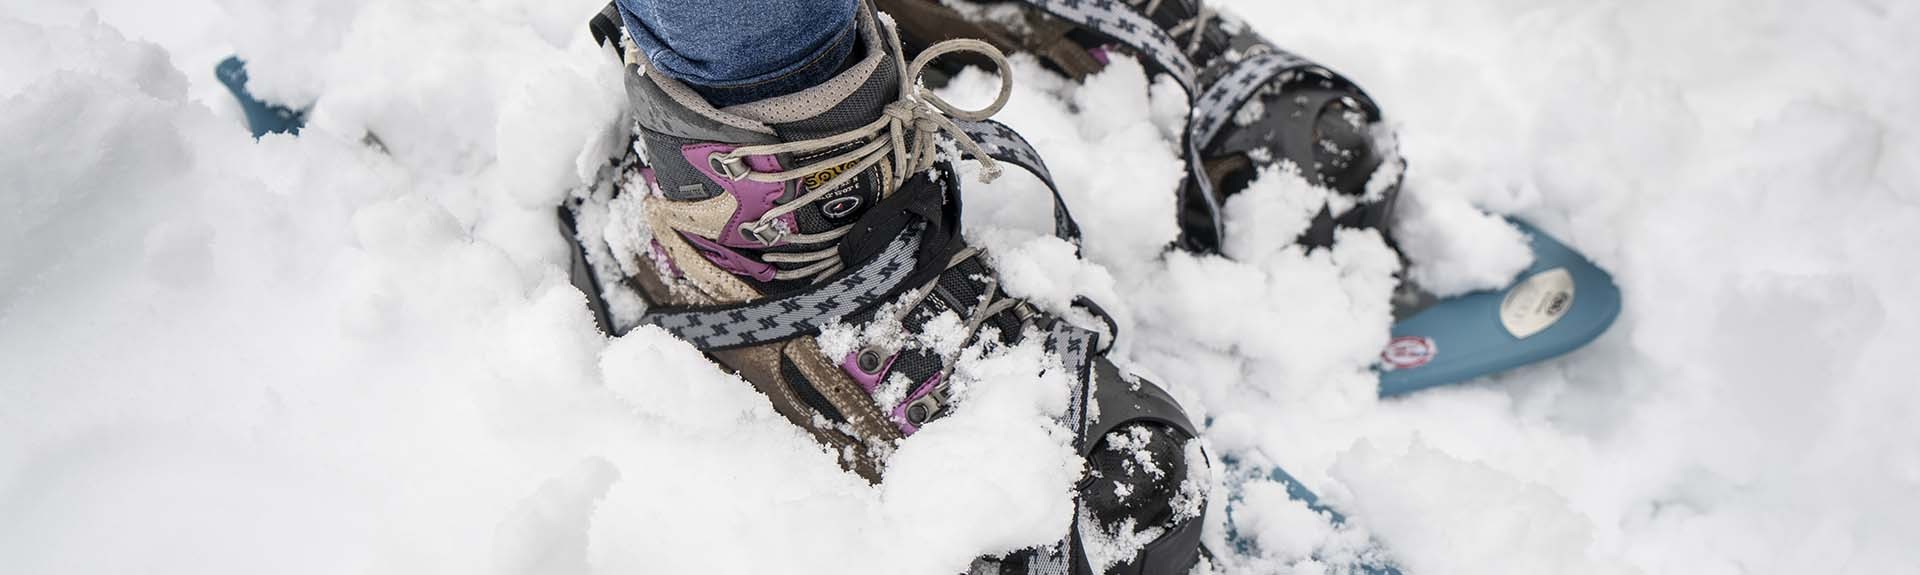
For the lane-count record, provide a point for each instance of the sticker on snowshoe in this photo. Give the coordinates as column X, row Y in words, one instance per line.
column 1537, row 303
column 1408, row 352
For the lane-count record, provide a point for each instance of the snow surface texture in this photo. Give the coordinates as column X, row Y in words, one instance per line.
column 305, row 356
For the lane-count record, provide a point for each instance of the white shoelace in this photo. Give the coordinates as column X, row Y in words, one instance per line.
column 907, row 132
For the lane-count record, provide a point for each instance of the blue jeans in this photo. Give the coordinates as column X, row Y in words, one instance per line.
column 738, row 51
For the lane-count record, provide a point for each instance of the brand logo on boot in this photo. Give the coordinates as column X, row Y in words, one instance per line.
column 841, row 207
column 814, row 180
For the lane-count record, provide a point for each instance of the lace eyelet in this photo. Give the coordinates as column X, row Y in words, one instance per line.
column 735, row 169
column 869, row 360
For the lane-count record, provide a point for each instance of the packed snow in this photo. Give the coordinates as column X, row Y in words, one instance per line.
column 305, row 355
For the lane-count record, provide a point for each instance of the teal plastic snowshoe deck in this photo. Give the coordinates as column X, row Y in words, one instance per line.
column 1560, row 303
column 262, row 118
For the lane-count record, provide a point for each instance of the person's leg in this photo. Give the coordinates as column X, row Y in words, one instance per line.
column 734, row 51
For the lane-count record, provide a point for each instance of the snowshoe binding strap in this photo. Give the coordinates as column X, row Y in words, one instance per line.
column 1221, row 69
column 798, row 313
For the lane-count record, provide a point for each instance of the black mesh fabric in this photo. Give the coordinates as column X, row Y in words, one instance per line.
column 679, row 180
column 918, row 364
column 814, row 217
column 810, row 219
column 963, row 284
column 858, row 109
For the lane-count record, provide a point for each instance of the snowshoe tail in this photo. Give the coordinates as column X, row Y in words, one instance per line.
column 1560, row 303
column 262, row 118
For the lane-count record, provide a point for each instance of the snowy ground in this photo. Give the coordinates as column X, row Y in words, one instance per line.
column 304, row 356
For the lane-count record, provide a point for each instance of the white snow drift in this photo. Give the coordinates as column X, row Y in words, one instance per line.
column 302, row 355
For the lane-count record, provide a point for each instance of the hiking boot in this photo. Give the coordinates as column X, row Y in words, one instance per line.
column 1254, row 105
column 752, row 230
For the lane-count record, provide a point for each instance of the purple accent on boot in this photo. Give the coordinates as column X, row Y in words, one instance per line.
column 653, row 185
column 900, row 411
column 731, row 261
column 870, row 381
column 755, row 197
column 1100, row 55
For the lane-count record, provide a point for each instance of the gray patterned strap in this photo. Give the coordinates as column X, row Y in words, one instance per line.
column 802, row 312
column 1124, row 24
column 1005, row 145
column 1217, row 105
column 1076, row 348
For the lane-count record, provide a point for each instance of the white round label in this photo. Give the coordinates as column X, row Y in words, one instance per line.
column 1537, row 303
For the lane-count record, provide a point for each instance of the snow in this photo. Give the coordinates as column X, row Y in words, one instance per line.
column 302, row 355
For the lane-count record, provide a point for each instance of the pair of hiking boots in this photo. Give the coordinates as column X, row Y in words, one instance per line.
column 752, row 230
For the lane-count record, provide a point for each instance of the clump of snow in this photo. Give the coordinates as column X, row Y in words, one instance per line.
column 998, row 472
column 1271, row 213
column 1190, row 500
column 1455, row 248
column 1530, row 516
column 1114, row 163
column 1109, row 545
column 1133, row 443
column 942, row 335
column 884, row 332
column 1281, row 527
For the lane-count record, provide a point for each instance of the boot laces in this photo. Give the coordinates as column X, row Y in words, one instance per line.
column 907, row 132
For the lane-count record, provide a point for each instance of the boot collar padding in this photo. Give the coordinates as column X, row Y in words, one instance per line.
column 819, row 99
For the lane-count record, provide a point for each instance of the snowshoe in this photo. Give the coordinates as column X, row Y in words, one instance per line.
column 1256, row 105
column 262, row 118
column 752, row 230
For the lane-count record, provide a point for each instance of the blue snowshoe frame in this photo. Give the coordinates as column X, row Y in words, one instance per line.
column 262, row 118
column 1457, row 339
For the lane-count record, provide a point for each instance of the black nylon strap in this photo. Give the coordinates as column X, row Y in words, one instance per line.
column 1124, row 24
column 1005, row 145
